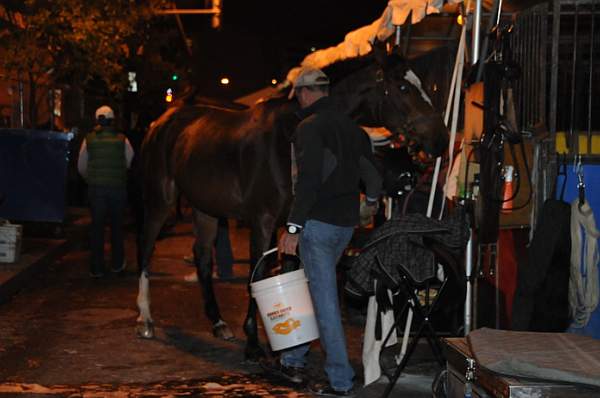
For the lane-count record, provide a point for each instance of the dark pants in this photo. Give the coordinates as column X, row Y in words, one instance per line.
column 111, row 202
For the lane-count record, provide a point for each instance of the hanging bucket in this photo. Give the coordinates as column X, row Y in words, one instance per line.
column 285, row 307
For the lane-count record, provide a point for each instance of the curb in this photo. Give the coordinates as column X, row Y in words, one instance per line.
column 22, row 275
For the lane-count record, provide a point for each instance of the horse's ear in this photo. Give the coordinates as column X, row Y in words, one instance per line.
column 379, row 49
column 398, row 53
column 396, row 59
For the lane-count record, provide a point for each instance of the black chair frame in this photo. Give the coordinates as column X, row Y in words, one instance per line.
column 422, row 315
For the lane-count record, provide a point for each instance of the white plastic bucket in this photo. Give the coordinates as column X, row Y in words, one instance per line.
column 286, row 309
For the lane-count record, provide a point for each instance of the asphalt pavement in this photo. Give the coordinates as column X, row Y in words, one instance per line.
column 65, row 334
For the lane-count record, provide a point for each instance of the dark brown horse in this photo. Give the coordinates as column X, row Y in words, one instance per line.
column 236, row 164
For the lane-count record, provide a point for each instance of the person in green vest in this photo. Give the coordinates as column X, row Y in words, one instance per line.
column 104, row 157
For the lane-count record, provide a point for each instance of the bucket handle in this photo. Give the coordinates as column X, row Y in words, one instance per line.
column 260, row 261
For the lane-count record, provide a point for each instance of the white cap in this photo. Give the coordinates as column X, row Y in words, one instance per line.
column 105, row 111
column 309, row 77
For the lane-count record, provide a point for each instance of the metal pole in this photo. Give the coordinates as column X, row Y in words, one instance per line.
column 554, row 68
column 469, row 272
column 21, row 104
column 183, row 36
column 388, row 207
column 572, row 129
column 455, row 112
column 589, row 115
column 451, row 92
column 494, row 266
column 51, row 106
column 486, row 40
column 542, row 66
column 476, row 31
column 407, row 35
column 188, row 11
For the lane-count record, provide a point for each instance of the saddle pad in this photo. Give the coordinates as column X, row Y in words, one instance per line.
column 562, row 357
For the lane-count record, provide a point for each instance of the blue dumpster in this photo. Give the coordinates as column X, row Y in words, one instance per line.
column 33, row 174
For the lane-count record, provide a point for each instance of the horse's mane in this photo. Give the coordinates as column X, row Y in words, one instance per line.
column 342, row 69
column 428, row 67
column 275, row 100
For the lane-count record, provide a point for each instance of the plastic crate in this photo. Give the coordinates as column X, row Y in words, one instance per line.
column 10, row 242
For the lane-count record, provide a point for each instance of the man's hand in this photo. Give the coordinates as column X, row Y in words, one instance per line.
column 372, row 207
column 288, row 243
column 367, row 210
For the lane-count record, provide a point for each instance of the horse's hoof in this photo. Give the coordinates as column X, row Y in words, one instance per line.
column 222, row 331
column 146, row 330
column 253, row 355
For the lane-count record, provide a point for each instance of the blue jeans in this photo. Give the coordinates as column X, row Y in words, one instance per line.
column 111, row 202
column 321, row 246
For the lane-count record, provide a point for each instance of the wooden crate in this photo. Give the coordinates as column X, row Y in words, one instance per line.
column 10, row 242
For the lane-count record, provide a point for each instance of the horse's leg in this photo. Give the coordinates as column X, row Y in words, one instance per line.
column 205, row 231
column 260, row 237
column 154, row 218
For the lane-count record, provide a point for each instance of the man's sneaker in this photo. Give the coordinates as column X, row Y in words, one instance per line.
column 324, row 389
column 289, row 373
column 119, row 269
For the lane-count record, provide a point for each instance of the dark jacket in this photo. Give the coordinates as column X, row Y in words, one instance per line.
column 333, row 154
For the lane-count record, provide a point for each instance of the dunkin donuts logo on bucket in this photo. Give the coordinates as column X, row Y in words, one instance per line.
column 287, row 326
column 279, row 312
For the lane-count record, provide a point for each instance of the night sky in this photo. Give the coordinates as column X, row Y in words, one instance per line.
column 262, row 40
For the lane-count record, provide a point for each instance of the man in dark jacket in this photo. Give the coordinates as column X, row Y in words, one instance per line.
column 104, row 157
column 333, row 154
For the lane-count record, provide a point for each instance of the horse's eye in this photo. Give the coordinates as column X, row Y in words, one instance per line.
column 403, row 88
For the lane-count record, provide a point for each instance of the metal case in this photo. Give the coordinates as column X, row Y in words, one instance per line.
column 487, row 384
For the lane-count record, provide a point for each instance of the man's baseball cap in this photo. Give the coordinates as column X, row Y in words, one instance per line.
column 309, row 77
column 105, row 111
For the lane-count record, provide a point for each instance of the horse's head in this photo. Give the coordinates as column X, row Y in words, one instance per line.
column 386, row 92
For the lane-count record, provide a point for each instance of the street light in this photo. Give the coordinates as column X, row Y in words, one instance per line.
column 224, row 81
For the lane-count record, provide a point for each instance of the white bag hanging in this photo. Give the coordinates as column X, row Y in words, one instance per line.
column 371, row 346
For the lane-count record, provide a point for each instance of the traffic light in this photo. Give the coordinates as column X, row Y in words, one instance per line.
column 169, row 95
column 216, row 18
column 174, row 77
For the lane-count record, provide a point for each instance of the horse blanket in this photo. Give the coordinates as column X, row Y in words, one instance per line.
column 402, row 242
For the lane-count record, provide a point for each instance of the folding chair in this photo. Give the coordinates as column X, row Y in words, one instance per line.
column 408, row 287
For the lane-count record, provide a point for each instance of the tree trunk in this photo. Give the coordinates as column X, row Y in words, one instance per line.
column 32, row 101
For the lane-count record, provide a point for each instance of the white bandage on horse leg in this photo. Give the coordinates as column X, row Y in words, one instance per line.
column 143, row 298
